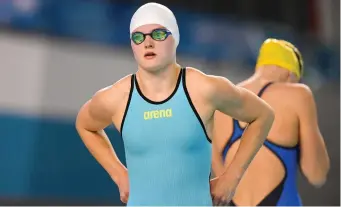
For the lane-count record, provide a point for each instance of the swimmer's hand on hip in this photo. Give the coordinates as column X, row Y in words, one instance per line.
column 122, row 182
column 223, row 189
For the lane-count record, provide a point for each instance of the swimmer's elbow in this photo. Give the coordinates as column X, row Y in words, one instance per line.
column 85, row 121
column 79, row 123
column 315, row 165
column 318, row 176
column 268, row 115
column 318, row 183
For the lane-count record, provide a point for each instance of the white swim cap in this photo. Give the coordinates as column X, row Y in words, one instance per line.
column 154, row 13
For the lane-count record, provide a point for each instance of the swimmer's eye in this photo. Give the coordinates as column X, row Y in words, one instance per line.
column 160, row 34
column 137, row 37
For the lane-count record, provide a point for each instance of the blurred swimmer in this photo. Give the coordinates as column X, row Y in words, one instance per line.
column 293, row 140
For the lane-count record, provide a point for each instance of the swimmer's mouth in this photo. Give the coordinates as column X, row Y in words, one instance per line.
column 149, row 54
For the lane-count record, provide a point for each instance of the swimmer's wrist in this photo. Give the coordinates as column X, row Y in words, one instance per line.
column 233, row 173
column 117, row 173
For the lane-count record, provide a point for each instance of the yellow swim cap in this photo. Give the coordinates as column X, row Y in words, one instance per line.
column 281, row 53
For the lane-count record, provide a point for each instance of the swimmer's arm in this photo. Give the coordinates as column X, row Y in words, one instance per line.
column 314, row 159
column 217, row 162
column 244, row 106
column 93, row 117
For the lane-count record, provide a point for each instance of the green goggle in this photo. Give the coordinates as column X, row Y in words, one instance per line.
column 157, row 34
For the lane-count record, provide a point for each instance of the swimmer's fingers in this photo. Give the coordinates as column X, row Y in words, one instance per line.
column 124, row 196
column 220, row 201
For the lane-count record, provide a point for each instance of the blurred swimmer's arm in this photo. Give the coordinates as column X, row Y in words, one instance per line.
column 244, row 106
column 93, row 117
column 222, row 130
column 314, row 159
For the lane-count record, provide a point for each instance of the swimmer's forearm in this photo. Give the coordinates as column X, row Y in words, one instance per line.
column 217, row 164
column 100, row 147
column 251, row 141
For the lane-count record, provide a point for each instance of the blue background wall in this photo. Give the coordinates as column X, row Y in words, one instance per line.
column 44, row 157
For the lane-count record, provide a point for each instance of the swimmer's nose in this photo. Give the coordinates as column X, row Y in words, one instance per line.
column 148, row 42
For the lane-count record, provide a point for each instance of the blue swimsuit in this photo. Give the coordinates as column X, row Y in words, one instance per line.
column 286, row 193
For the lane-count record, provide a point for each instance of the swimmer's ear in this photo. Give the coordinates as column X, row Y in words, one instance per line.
column 292, row 78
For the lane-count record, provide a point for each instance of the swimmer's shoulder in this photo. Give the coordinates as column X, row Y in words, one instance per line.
column 194, row 73
column 294, row 90
column 112, row 96
column 293, row 94
column 301, row 93
column 202, row 81
column 195, row 81
column 198, row 75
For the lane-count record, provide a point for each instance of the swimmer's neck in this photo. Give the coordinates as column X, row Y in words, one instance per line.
column 162, row 80
column 270, row 74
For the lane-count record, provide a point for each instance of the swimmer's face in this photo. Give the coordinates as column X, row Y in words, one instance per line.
column 153, row 54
